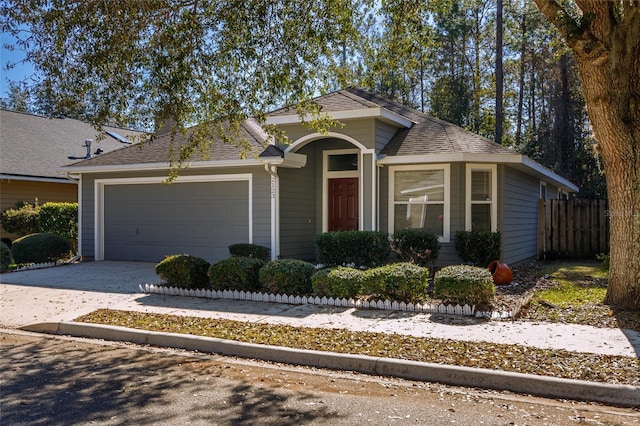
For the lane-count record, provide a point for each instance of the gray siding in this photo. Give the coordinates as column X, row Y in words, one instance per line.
column 520, row 216
column 261, row 202
column 362, row 130
column 448, row 254
column 384, row 133
column 299, row 199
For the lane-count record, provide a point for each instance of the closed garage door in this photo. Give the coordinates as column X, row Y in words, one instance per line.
column 146, row 222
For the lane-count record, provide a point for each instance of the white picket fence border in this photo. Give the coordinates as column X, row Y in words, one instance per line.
column 433, row 308
column 39, row 266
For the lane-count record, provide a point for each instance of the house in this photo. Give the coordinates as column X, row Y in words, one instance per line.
column 34, row 148
column 386, row 168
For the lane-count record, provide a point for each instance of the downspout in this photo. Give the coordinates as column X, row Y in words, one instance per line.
column 275, row 210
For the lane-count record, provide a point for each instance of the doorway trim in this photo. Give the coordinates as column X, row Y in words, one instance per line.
column 326, row 175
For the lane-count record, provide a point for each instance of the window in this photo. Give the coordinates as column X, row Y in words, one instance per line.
column 481, row 197
column 420, row 199
column 543, row 190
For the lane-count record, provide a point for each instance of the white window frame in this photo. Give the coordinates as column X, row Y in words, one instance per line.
column 493, row 168
column 446, row 220
column 326, row 175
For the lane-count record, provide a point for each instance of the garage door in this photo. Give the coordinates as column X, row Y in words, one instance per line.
column 146, row 222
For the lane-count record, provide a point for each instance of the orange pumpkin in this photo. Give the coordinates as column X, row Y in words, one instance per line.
column 501, row 272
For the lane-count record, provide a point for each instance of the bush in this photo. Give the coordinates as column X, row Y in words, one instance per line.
column 287, row 276
column 416, row 246
column 6, row 258
column 40, row 248
column 338, row 282
column 61, row 219
column 479, row 247
column 250, row 250
column 464, row 284
column 21, row 220
column 236, row 273
column 404, row 282
column 360, row 248
column 184, row 271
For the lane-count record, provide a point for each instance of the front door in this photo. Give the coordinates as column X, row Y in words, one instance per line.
column 343, row 204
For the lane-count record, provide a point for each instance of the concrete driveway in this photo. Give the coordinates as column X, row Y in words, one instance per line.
column 64, row 292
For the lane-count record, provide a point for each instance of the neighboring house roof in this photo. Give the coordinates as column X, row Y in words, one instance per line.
column 157, row 153
column 34, row 147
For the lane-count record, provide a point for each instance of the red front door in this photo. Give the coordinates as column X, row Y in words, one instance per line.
column 343, row 204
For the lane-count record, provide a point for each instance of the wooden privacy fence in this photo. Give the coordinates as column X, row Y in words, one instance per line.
column 572, row 228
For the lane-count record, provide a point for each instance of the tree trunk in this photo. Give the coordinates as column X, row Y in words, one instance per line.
column 523, row 55
column 499, row 73
column 607, row 47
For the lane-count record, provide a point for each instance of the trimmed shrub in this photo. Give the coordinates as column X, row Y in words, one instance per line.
column 337, row 282
column 21, row 220
column 61, row 219
column 6, row 258
column 464, row 284
column 287, row 276
column 479, row 247
column 40, row 248
column 184, row 271
column 360, row 248
column 416, row 245
column 236, row 273
column 250, row 250
column 405, row 282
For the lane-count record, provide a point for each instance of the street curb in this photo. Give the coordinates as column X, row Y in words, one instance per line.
column 549, row 387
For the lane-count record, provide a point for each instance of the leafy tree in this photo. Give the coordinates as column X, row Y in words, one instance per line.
column 219, row 62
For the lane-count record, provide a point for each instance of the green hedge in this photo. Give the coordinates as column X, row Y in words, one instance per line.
column 6, row 257
column 404, row 282
column 416, row 246
column 236, row 273
column 360, row 248
column 479, row 247
column 464, row 284
column 40, row 248
column 21, row 220
column 287, row 276
column 61, row 219
column 337, row 282
column 250, row 250
column 184, row 271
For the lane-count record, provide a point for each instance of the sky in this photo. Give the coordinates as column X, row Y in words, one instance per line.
column 19, row 72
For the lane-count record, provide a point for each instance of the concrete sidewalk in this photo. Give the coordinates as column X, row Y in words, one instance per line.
column 47, row 301
column 66, row 292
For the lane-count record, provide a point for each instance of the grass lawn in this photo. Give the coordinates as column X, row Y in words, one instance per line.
column 577, row 296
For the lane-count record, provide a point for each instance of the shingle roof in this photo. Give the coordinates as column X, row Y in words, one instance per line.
column 429, row 135
column 36, row 146
column 251, row 141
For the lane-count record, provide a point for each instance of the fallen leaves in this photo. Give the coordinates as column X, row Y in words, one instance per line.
column 514, row 358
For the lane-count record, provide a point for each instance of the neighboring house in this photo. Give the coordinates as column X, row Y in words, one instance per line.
column 34, row 148
column 388, row 167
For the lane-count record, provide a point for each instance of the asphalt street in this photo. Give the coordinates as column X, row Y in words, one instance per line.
column 61, row 381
